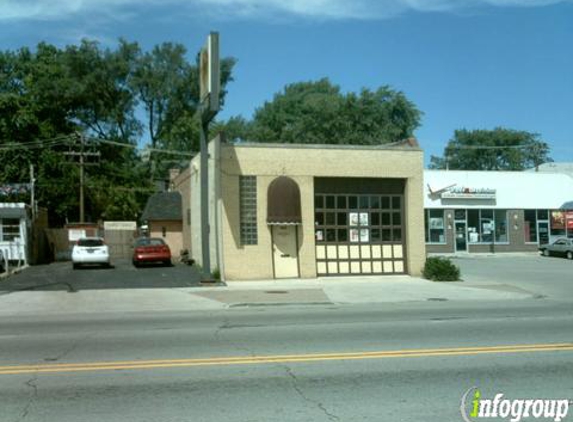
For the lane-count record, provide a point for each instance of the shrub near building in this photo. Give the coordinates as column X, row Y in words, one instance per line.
column 440, row 269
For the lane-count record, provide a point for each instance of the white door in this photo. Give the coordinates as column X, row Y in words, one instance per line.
column 285, row 251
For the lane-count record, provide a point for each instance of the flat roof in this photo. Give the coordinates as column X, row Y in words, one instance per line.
column 405, row 145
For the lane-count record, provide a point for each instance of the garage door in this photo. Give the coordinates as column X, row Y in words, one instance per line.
column 359, row 233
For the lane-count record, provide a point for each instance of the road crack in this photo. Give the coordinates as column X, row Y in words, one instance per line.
column 300, row 392
column 31, row 383
column 67, row 351
column 225, row 325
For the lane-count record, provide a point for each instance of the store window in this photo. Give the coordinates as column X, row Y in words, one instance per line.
column 9, row 229
column 474, row 231
column 530, row 225
column 558, row 227
column 500, row 226
column 248, row 209
column 487, row 226
column 434, row 223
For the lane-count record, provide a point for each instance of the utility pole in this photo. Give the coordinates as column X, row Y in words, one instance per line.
column 83, row 160
column 537, row 155
column 82, row 209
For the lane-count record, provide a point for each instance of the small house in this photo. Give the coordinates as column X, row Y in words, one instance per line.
column 163, row 216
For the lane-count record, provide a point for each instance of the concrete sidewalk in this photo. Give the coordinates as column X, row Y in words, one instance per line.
column 343, row 290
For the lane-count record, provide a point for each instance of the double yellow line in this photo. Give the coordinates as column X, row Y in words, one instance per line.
column 251, row 360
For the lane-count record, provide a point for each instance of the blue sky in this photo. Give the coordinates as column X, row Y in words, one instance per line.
column 473, row 64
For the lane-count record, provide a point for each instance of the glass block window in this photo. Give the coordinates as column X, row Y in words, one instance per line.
column 248, row 209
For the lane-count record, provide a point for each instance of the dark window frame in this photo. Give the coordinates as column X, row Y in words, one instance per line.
column 12, row 226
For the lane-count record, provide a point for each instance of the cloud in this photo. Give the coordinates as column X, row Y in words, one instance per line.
column 321, row 9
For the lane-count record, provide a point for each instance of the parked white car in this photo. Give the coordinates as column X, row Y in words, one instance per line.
column 90, row 250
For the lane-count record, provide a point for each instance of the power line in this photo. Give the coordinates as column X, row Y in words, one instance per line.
column 32, row 145
column 163, row 151
column 65, row 140
column 493, row 147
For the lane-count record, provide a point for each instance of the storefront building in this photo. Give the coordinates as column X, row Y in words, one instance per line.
column 495, row 211
column 302, row 211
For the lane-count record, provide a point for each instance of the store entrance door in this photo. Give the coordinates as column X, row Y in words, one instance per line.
column 543, row 230
column 461, row 236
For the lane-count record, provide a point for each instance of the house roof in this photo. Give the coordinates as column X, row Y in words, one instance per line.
column 163, row 206
column 12, row 210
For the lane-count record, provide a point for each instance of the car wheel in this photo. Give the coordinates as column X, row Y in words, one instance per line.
column 135, row 264
column 569, row 255
column 545, row 252
column 167, row 263
column 76, row 266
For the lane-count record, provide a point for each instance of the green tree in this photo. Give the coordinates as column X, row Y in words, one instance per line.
column 497, row 149
column 50, row 95
column 319, row 113
column 167, row 86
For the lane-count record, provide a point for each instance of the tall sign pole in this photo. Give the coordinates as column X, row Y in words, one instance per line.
column 209, row 84
column 32, row 192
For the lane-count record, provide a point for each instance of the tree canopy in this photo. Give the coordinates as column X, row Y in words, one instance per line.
column 115, row 98
column 497, row 149
column 319, row 113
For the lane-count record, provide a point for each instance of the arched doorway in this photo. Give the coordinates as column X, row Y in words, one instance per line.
column 283, row 218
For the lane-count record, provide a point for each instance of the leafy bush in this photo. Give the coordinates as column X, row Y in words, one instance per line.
column 440, row 269
column 216, row 274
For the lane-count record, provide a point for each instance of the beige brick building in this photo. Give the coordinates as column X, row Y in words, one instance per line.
column 290, row 211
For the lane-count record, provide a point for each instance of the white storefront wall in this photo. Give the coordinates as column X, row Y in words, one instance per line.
column 513, row 190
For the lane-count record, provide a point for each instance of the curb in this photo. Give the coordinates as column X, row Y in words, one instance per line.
column 260, row 304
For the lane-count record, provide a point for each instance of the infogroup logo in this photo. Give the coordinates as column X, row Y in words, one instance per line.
column 474, row 407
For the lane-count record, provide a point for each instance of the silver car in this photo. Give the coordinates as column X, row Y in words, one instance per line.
column 561, row 247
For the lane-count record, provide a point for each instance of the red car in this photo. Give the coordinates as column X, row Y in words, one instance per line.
column 151, row 250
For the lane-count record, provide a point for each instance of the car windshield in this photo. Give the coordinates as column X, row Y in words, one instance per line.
column 149, row 242
column 90, row 242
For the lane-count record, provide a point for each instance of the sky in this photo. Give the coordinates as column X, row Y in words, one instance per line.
column 466, row 64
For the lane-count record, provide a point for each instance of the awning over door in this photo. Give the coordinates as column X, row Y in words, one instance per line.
column 283, row 202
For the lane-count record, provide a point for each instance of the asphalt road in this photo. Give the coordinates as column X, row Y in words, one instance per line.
column 550, row 277
column 402, row 362
column 122, row 275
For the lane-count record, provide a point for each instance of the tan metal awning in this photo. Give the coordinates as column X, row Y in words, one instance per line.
column 283, row 202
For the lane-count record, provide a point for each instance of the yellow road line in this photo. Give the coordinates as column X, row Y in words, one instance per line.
column 316, row 357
